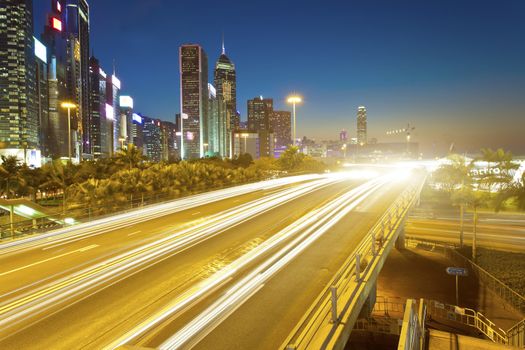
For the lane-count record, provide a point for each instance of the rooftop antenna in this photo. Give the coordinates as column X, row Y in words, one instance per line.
column 223, row 49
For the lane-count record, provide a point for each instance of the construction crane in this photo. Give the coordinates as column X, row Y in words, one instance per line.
column 405, row 131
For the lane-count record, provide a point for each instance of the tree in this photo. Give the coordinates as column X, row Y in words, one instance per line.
column 131, row 157
column 10, row 176
column 516, row 192
column 59, row 177
column 291, row 159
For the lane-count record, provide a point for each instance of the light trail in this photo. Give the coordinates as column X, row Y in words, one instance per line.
column 139, row 215
column 20, row 309
column 313, row 219
column 317, row 224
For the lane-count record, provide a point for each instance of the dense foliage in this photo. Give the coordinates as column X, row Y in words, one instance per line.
column 129, row 178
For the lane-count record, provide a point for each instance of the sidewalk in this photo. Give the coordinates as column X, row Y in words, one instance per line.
column 416, row 273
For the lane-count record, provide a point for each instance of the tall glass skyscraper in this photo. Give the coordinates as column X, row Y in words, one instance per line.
column 77, row 29
column 193, row 64
column 18, row 108
column 361, row 126
column 225, row 81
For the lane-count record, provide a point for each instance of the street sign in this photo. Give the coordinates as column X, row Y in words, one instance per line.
column 457, row 271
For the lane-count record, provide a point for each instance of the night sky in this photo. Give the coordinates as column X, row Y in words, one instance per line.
column 454, row 69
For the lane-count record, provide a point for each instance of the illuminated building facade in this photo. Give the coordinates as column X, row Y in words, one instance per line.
column 100, row 147
column 260, row 112
column 281, row 124
column 361, row 126
column 125, row 116
column 77, row 35
column 112, row 112
column 18, row 108
column 193, row 64
column 152, row 133
column 225, row 81
column 219, row 132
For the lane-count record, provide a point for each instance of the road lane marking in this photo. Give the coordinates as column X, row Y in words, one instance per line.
column 196, row 213
column 134, row 233
column 49, row 259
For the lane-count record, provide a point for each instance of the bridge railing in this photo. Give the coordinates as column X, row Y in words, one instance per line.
column 346, row 291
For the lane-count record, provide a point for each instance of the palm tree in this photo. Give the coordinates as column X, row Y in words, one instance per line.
column 455, row 176
column 131, row 157
column 59, row 177
column 516, row 192
column 10, row 175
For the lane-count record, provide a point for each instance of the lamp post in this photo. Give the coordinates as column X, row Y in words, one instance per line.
column 294, row 99
column 69, row 106
column 182, row 117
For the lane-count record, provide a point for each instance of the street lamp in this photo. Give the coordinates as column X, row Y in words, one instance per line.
column 69, row 106
column 294, row 99
column 182, row 117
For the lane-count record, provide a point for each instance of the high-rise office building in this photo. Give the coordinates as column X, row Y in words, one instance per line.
column 137, row 136
column 361, row 126
column 18, row 114
column 77, row 35
column 112, row 112
column 168, row 139
column 281, row 124
column 152, row 134
column 100, row 147
column 225, row 81
column 55, row 40
column 260, row 111
column 219, row 132
column 42, row 97
column 126, row 116
column 193, row 64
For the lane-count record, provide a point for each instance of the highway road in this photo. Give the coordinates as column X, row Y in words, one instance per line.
column 146, row 281
column 494, row 231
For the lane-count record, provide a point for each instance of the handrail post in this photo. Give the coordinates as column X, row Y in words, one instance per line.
column 333, row 290
column 357, row 267
column 374, row 250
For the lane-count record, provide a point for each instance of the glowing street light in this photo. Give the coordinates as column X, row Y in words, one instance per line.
column 294, row 99
column 69, row 106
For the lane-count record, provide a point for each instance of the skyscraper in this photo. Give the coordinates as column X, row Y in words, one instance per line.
column 152, row 134
column 97, row 110
column 225, row 81
column 126, row 116
column 361, row 126
column 18, row 114
column 42, row 97
column 55, row 40
column 77, row 35
column 193, row 64
column 281, row 124
column 260, row 111
column 112, row 112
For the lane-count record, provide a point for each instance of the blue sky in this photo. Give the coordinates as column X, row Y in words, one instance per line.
column 454, row 69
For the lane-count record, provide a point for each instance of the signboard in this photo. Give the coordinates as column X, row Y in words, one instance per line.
column 457, row 271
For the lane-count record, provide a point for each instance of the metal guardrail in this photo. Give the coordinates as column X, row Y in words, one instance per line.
column 346, row 287
column 515, row 336
column 412, row 335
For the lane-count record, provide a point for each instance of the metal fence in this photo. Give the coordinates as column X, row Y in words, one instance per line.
column 510, row 296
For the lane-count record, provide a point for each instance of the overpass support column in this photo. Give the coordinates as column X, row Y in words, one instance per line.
column 368, row 306
column 400, row 242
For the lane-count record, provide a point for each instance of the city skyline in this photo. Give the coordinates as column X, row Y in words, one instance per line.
column 450, row 72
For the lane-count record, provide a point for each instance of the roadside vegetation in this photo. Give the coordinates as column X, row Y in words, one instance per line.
column 129, row 179
column 458, row 184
